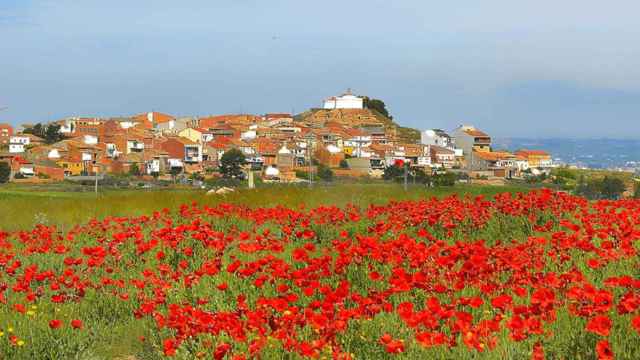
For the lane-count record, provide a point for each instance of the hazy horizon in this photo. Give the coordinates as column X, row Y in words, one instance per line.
column 533, row 70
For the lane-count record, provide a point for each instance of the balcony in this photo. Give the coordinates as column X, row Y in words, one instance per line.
column 482, row 141
column 135, row 146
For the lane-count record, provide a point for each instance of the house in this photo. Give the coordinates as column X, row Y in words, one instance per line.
column 536, row 158
column 330, row 155
column 86, row 126
column 522, row 163
column 156, row 162
column 6, row 131
column 19, row 143
column 23, row 167
column 442, row 157
column 195, row 135
column 357, row 143
column 471, row 140
column 416, row 154
column 436, row 137
column 344, row 101
column 90, row 139
column 18, row 148
column 216, row 130
column 76, row 157
column 501, row 163
column 249, row 134
column 26, row 139
column 72, row 166
column 182, row 149
column 172, row 127
column 285, row 158
column 378, row 134
column 153, row 120
column 266, row 150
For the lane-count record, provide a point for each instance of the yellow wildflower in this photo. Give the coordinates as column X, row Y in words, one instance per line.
column 20, row 342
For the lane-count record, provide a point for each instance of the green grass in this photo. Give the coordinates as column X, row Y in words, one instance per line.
column 23, row 207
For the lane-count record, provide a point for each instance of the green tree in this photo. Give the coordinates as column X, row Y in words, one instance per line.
column 393, row 173
column 35, row 130
column 612, row 188
column 231, row 164
column 52, row 134
column 175, row 171
column 325, row 173
column 377, row 105
column 5, row 172
column 446, row 179
column 134, row 170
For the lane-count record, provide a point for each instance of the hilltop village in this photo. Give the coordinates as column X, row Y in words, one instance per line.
column 348, row 134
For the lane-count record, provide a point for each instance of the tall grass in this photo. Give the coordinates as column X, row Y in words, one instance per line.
column 21, row 208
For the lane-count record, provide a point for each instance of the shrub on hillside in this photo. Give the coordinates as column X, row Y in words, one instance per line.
column 325, row 173
column 605, row 188
column 231, row 164
column 5, row 172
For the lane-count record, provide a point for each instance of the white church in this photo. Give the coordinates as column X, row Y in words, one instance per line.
column 345, row 101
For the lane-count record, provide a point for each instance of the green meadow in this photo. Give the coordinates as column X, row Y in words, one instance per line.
column 21, row 207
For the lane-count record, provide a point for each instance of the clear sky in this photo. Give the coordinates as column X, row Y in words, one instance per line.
column 513, row 68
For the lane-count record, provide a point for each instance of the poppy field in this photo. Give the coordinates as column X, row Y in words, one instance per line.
column 535, row 275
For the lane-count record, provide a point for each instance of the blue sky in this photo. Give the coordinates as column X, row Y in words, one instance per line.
column 540, row 69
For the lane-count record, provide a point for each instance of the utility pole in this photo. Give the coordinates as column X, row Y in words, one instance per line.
column 308, row 139
column 406, row 175
column 95, row 171
column 250, row 176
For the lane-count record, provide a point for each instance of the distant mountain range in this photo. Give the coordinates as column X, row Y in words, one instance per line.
column 592, row 153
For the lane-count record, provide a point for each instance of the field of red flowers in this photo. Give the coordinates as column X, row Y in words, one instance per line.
column 537, row 275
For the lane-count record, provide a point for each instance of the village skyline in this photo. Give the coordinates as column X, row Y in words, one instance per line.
column 513, row 69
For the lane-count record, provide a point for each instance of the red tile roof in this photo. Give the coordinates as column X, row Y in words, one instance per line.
column 493, row 155
column 475, row 132
column 158, row 117
column 525, row 152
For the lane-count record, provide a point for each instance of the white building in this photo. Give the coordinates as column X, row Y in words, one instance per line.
column 67, row 126
column 24, row 140
column 436, row 137
column 16, row 148
column 345, row 101
column 54, row 154
column 248, row 135
column 470, row 139
column 90, row 140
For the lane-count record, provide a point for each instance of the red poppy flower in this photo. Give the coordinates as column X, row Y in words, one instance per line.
column 76, row 324
column 600, row 325
column 635, row 323
column 603, row 349
column 55, row 323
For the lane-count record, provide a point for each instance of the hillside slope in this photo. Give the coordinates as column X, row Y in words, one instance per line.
column 359, row 118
